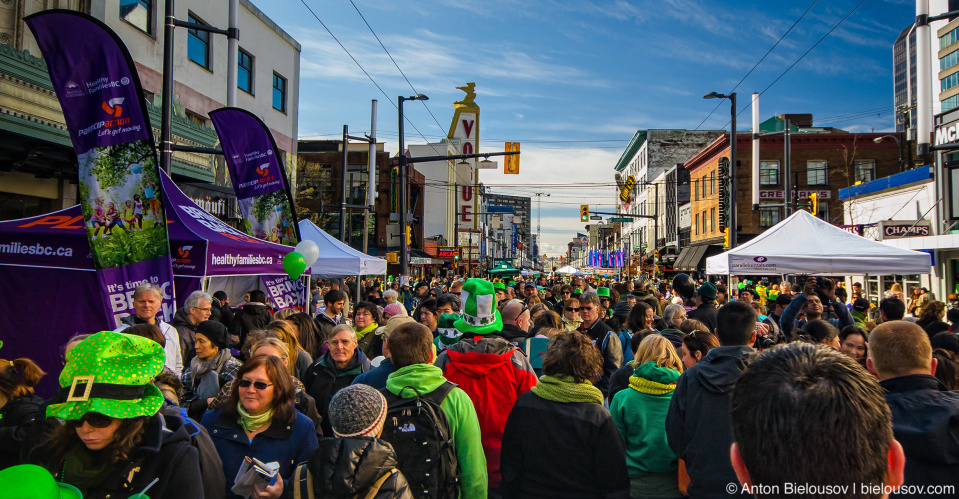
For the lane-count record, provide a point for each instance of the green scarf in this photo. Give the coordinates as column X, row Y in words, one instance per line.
column 643, row 385
column 360, row 333
column 253, row 423
column 85, row 469
column 564, row 389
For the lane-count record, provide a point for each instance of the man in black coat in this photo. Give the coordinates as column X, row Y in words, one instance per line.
column 253, row 315
column 603, row 337
column 925, row 415
column 706, row 310
column 698, row 426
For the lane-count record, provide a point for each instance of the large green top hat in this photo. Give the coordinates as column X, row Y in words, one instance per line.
column 479, row 314
column 109, row 373
column 33, row 482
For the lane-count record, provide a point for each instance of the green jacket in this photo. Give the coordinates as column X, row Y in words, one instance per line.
column 641, row 419
column 464, row 425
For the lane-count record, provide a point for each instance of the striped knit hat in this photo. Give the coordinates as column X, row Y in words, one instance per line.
column 357, row 411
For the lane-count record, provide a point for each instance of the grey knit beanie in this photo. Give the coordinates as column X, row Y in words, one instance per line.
column 357, row 411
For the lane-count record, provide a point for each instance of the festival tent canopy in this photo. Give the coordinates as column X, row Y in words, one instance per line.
column 504, row 269
column 200, row 244
column 336, row 258
column 804, row 244
column 569, row 270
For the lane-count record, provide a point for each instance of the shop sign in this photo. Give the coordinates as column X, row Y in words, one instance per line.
column 855, row 229
column 894, row 229
column 445, row 252
column 778, row 194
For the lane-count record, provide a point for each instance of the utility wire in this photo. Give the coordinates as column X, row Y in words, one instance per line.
column 759, row 62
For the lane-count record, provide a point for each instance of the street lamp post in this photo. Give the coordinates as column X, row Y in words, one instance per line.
column 732, row 163
column 404, row 222
column 902, row 164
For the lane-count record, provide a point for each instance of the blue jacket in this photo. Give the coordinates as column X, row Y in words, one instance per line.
column 925, row 420
column 377, row 376
column 698, row 425
column 788, row 321
column 288, row 445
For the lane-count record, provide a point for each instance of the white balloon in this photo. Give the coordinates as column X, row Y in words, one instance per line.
column 309, row 250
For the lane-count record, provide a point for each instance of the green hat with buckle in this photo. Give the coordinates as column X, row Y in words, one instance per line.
column 479, row 314
column 29, row 481
column 109, row 373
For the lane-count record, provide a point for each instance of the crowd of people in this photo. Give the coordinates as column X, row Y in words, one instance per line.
column 503, row 388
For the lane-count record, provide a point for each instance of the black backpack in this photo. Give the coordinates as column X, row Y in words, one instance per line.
column 419, row 432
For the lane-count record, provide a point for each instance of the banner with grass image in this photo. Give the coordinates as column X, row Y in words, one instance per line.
column 119, row 185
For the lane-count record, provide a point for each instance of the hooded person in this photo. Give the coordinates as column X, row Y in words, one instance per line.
column 356, row 462
column 860, row 311
column 114, row 442
column 446, row 332
column 490, row 369
column 706, row 308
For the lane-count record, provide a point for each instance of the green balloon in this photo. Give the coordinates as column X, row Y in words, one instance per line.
column 294, row 264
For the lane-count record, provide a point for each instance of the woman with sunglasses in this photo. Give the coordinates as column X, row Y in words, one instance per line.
column 260, row 421
column 571, row 318
column 114, row 442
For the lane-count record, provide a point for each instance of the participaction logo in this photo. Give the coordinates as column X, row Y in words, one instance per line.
column 234, row 260
column 19, row 248
column 760, row 259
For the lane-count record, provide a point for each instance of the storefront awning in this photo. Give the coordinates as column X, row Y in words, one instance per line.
column 691, row 258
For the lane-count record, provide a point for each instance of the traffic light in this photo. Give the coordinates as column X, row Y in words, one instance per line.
column 584, row 213
column 814, row 203
column 656, row 256
column 726, row 238
column 511, row 165
column 409, row 235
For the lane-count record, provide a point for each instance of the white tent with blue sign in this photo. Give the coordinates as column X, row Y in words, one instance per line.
column 804, row 244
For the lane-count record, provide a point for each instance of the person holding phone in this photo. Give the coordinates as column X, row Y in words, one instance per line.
column 813, row 300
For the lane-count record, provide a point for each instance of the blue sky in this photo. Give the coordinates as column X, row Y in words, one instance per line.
column 572, row 81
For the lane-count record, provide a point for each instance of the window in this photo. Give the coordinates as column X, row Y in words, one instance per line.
column 696, row 225
column 769, row 217
column 704, row 221
column 712, row 219
column 695, row 190
column 198, row 44
column 865, row 170
column 949, row 82
column 769, row 173
column 244, row 72
column 816, row 172
column 279, row 93
column 138, row 13
column 949, row 60
column 712, row 182
column 704, row 186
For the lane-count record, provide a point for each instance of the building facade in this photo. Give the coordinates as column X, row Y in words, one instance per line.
column 37, row 159
column 521, row 244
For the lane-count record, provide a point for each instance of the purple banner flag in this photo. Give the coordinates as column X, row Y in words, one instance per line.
column 99, row 91
column 266, row 205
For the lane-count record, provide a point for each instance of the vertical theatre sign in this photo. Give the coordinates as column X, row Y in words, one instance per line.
column 464, row 131
column 99, row 91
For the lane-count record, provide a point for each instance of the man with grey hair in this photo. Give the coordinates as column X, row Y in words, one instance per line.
column 196, row 309
column 603, row 337
column 147, row 300
column 334, row 370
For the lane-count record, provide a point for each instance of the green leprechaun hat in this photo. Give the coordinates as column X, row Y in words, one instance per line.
column 29, row 481
column 479, row 314
column 109, row 373
column 446, row 332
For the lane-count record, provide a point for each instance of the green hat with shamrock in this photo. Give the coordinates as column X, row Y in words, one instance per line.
column 446, row 333
column 31, row 481
column 109, row 373
column 479, row 314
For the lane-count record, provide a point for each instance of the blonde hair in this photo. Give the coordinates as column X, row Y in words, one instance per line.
column 282, row 315
column 287, row 332
column 656, row 348
column 278, row 344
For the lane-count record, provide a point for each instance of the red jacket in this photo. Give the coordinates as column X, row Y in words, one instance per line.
column 494, row 373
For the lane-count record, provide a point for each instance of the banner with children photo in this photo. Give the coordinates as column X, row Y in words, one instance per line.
column 263, row 195
column 99, row 91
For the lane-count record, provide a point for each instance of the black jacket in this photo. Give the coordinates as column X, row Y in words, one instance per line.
column 221, row 312
column 933, row 327
column 186, row 330
column 925, row 420
column 324, row 327
column 705, row 313
column 211, row 468
column 348, row 467
column 165, row 453
column 587, row 461
column 612, row 353
column 251, row 316
column 620, row 379
column 15, row 416
column 698, row 424
column 323, row 379
column 511, row 333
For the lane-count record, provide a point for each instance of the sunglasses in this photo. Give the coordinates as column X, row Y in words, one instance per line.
column 94, row 419
column 586, row 308
column 259, row 385
column 571, row 309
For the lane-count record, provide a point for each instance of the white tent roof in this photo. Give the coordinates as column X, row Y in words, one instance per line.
column 338, row 259
column 568, row 270
column 804, row 244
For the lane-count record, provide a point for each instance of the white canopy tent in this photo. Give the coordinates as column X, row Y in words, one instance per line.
column 804, row 244
column 569, row 270
column 336, row 258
